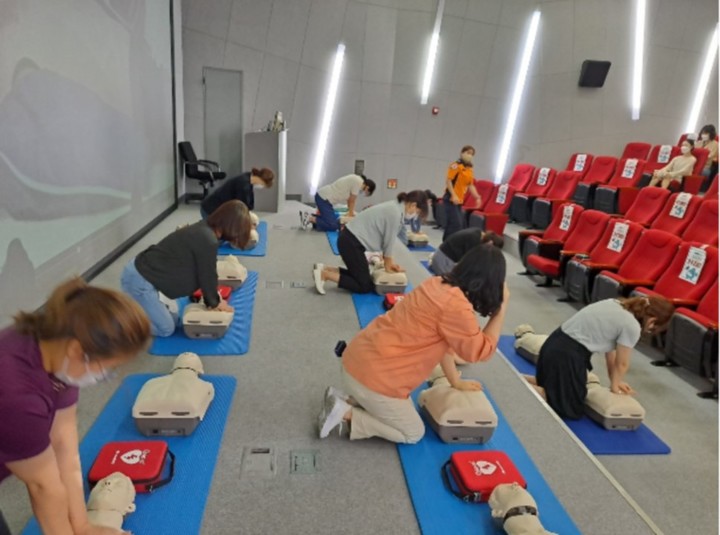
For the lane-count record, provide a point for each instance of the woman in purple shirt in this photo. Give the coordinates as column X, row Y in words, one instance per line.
column 77, row 339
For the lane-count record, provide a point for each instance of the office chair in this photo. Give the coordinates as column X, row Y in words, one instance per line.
column 192, row 165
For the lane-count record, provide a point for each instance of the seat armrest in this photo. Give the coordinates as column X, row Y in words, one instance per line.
column 638, row 282
column 527, row 233
column 210, row 162
column 600, row 267
column 688, row 303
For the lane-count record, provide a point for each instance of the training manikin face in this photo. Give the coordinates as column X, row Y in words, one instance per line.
column 188, row 361
column 115, row 492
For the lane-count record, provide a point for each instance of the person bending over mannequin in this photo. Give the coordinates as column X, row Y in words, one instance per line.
column 415, row 223
column 611, row 326
column 397, row 351
column 344, row 190
column 458, row 182
column 678, row 167
column 183, row 262
column 706, row 140
column 455, row 247
column 241, row 188
column 373, row 229
column 81, row 334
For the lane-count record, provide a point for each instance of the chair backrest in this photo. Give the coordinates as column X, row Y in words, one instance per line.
column 484, row 189
column 701, row 157
column 590, row 226
column 708, row 305
column 580, row 163
column 679, row 210
column 660, row 156
column 601, row 170
column 521, row 176
column 616, row 242
column 637, row 150
column 704, row 226
column 499, row 201
column 563, row 222
column 188, row 155
column 647, row 205
column 627, row 173
column 684, row 136
column 563, row 186
column 689, row 276
column 713, row 189
column 650, row 256
column 542, row 179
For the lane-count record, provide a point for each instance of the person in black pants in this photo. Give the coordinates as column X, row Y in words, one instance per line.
column 374, row 230
column 4, row 529
column 241, row 187
column 458, row 182
column 454, row 248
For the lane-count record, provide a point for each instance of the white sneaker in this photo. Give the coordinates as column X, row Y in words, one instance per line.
column 319, row 266
column 171, row 304
column 332, row 415
column 336, row 392
column 319, row 283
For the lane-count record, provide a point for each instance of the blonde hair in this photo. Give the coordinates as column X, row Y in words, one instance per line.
column 104, row 321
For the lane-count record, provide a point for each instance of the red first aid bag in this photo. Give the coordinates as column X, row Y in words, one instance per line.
column 391, row 299
column 475, row 474
column 142, row 461
column 223, row 291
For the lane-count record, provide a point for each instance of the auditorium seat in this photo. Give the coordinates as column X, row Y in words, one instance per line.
column 617, row 196
column 580, row 163
column 701, row 157
column 521, row 176
column 651, row 255
column 692, row 183
column 494, row 215
column 563, row 222
column 610, row 251
column 675, row 216
column 712, row 191
column 683, row 137
column 484, row 189
column 647, row 205
column 521, row 204
column 637, row 150
column 560, row 191
column 602, row 168
column 704, row 226
column 660, row 156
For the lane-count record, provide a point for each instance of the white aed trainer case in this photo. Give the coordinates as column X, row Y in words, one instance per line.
column 174, row 405
column 615, row 412
column 230, row 271
column 199, row 322
column 458, row 416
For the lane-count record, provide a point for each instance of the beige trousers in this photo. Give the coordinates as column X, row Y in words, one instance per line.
column 393, row 419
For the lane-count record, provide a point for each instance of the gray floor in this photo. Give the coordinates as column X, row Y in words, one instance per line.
column 360, row 487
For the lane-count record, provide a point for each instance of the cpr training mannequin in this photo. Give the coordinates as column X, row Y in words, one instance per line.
column 176, row 403
column 615, row 412
column 230, row 271
column 386, row 281
column 110, row 500
column 417, row 239
column 515, row 509
column 528, row 343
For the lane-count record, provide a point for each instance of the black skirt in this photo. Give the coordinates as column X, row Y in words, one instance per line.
column 562, row 369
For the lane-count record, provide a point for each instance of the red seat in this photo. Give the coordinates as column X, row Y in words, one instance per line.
column 647, row 205
column 580, row 163
column 677, row 213
column 564, row 221
column 684, row 283
column 484, row 189
column 521, row 204
column 560, row 191
column 660, row 156
column 637, row 150
column 693, row 183
column 683, row 137
column 617, row 196
column 521, row 176
column 652, row 253
column 590, row 226
column 712, row 189
column 602, row 168
column 494, row 216
column 704, row 226
column 610, row 251
column 692, row 337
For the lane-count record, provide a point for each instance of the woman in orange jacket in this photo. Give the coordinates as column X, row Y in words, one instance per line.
column 458, row 182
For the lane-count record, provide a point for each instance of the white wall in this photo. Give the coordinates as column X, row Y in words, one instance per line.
column 178, row 86
column 285, row 49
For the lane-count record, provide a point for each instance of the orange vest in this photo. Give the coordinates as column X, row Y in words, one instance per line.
column 462, row 178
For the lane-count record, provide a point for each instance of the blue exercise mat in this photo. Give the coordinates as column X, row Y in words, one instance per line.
column 237, row 338
column 370, row 306
column 332, row 237
column 596, row 438
column 259, row 250
column 422, row 249
column 426, row 265
column 440, row 512
column 178, row 507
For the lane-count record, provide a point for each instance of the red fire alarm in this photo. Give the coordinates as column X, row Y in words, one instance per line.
column 435, row 110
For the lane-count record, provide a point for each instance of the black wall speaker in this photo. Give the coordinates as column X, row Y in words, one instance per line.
column 593, row 73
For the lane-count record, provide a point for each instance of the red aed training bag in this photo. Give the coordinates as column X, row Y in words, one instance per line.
column 392, row 299
column 475, row 474
column 223, row 291
column 142, row 461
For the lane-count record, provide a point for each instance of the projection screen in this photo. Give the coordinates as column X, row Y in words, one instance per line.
column 86, row 136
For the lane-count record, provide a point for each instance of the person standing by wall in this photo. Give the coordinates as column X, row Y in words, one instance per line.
column 458, row 182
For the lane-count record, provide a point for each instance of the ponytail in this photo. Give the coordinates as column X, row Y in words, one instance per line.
column 265, row 174
column 104, row 321
column 417, row 196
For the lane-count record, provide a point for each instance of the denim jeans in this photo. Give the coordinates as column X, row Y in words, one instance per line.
column 326, row 220
column 162, row 322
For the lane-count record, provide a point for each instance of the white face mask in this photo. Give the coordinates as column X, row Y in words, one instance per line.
column 705, row 137
column 89, row 378
column 466, row 157
column 684, row 149
column 259, row 186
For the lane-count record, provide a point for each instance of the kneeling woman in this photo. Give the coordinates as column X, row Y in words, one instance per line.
column 183, row 262
column 374, row 229
column 455, row 247
column 393, row 355
column 611, row 326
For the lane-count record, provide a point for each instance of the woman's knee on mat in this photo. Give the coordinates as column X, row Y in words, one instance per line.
column 414, row 433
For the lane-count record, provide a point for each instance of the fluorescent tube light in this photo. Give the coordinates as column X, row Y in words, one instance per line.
column 432, row 54
column 517, row 95
column 710, row 56
column 327, row 118
column 640, row 6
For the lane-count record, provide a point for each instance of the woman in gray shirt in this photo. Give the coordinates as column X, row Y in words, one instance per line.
column 374, row 229
column 613, row 327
